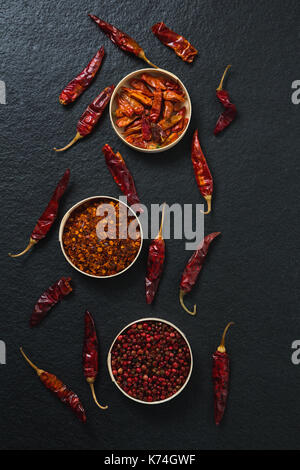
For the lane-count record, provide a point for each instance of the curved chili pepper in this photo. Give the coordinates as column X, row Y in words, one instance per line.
column 57, row 387
column 121, row 174
column 90, row 354
column 202, row 174
column 49, row 215
column 168, row 109
column 91, row 116
column 155, row 263
column 220, row 376
column 180, row 125
column 193, row 268
column 230, row 112
column 80, row 83
column 122, row 40
column 172, row 121
column 49, row 298
column 181, row 46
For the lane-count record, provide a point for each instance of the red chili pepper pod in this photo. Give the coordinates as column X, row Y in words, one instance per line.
column 121, row 174
column 181, row 46
column 80, row 83
column 202, row 173
column 56, row 386
column 49, row 298
column 155, row 263
column 122, row 40
column 91, row 116
column 192, row 269
column 220, row 376
column 230, row 112
column 49, row 215
column 90, row 354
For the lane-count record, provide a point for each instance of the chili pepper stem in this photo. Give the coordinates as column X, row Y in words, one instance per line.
column 221, row 348
column 143, row 56
column 181, row 294
column 91, row 384
column 77, row 137
column 220, row 87
column 38, row 371
column 162, row 222
column 208, row 200
column 30, row 244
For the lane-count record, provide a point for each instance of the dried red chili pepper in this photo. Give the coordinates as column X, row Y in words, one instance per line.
column 146, row 129
column 193, row 268
column 154, row 82
column 80, row 83
column 49, row 298
column 121, row 174
column 57, row 387
column 125, row 121
column 171, row 95
column 202, row 174
column 138, row 95
column 180, row 125
column 140, row 85
column 90, row 354
column 49, row 215
column 181, row 46
column 137, row 107
column 168, row 109
column 91, row 116
column 220, row 376
column 124, row 106
column 230, row 112
column 167, row 123
column 122, row 40
column 156, row 106
column 155, row 263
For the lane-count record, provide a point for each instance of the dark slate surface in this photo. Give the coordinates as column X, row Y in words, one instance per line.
column 251, row 275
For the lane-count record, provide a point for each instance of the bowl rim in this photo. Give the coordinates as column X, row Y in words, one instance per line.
column 131, row 75
column 66, row 217
column 158, row 402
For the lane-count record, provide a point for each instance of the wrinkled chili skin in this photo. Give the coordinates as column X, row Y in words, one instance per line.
column 155, row 265
column 178, row 43
column 156, row 106
column 49, row 298
column 94, row 112
column 220, row 376
column 121, row 174
column 66, row 396
column 80, row 83
column 49, row 215
column 90, row 348
column 228, row 115
column 122, row 40
column 195, row 264
column 202, row 173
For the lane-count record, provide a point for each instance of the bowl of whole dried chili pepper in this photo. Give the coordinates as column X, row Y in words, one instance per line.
column 101, row 236
column 150, row 110
column 150, row 361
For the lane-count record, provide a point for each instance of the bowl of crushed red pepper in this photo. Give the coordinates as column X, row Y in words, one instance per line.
column 150, row 361
column 101, row 237
column 150, row 110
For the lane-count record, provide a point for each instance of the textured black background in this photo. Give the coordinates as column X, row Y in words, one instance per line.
column 251, row 275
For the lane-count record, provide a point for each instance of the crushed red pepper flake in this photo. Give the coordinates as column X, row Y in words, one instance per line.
column 99, row 257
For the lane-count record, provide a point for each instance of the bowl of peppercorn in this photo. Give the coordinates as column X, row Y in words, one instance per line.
column 150, row 361
column 101, row 237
